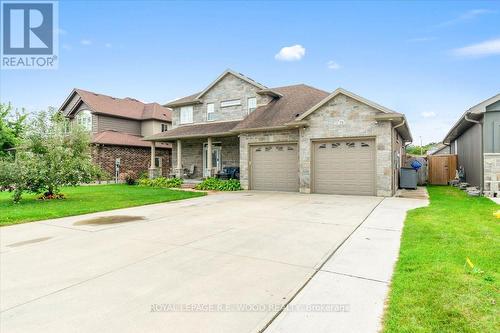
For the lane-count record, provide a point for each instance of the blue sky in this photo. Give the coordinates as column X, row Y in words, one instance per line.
column 429, row 60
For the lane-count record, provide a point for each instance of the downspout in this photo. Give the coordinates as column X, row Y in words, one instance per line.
column 481, row 160
column 392, row 153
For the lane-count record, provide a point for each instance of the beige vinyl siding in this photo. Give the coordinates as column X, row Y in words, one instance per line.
column 106, row 123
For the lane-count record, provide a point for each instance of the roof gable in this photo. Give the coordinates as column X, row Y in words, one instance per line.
column 339, row 91
column 223, row 75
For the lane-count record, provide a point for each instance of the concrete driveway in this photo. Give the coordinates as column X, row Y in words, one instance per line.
column 220, row 263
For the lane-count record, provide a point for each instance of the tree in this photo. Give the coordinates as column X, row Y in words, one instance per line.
column 50, row 155
column 12, row 124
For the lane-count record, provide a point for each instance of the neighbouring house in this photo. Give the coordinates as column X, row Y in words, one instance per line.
column 292, row 138
column 475, row 139
column 118, row 126
column 439, row 149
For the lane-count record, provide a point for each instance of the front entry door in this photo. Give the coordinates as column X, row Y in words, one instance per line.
column 216, row 159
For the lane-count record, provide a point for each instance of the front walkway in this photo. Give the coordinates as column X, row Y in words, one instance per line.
column 220, row 263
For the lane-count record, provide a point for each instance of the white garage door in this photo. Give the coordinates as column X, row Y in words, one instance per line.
column 344, row 167
column 274, row 167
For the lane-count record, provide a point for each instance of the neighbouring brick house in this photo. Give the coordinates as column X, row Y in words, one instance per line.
column 292, row 138
column 118, row 126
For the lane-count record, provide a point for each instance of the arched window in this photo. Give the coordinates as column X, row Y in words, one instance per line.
column 84, row 119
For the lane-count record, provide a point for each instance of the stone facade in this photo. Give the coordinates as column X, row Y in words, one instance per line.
column 261, row 137
column 342, row 117
column 192, row 153
column 136, row 159
column 228, row 88
column 491, row 171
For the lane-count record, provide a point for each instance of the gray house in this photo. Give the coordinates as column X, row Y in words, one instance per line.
column 292, row 138
column 475, row 138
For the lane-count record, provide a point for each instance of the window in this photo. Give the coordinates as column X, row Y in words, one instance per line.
column 186, row 114
column 210, row 111
column 84, row 119
column 251, row 104
column 232, row 102
column 157, row 162
column 164, row 127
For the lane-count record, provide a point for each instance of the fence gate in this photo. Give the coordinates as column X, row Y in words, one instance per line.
column 442, row 169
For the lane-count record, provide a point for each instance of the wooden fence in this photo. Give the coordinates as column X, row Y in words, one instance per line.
column 442, row 168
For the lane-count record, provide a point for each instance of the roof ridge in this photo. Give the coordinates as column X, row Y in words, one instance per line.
column 300, row 84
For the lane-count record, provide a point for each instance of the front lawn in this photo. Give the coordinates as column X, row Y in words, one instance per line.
column 84, row 199
column 433, row 289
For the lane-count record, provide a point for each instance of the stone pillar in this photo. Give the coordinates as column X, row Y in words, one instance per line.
column 178, row 170
column 152, row 168
column 209, row 157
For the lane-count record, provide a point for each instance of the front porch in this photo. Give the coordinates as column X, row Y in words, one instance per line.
column 194, row 159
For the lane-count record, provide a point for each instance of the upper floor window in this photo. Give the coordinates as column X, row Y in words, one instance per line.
column 186, row 114
column 210, row 111
column 84, row 119
column 251, row 104
column 231, row 102
column 164, row 127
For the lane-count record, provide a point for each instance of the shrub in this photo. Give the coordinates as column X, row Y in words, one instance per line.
column 130, row 177
column 215, row 184
column 161, row 182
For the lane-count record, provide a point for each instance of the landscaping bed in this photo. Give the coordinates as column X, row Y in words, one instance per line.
column 447, row 275
column 84, row 199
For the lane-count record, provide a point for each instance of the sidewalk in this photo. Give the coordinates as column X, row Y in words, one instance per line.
column 356, row 277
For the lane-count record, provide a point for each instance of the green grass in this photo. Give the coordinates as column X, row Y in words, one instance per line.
column 84, row 199
column 433, row 290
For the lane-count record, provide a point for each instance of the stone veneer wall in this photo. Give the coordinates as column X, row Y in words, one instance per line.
column 192, row 153
column 135, row 159
column 491, row 169
column 261, row 137
column 345, row 117
column 230, row 87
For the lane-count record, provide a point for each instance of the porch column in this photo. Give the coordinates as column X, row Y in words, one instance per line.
column 178, row 171
column 152, row 169
column 209, row 157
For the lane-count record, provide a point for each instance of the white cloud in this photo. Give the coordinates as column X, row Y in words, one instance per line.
column 428, row 114
column 486, row 48
column 66, row 46
column 291, row 53
column 333, row 65
column 467, row 16
column 61, row 31
column 108, row 45
column 86, row 42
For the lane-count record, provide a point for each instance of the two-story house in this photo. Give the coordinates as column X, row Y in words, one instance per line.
column 292, row 138
column 117, row 127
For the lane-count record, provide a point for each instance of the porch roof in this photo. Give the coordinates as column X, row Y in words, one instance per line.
column 221, row 128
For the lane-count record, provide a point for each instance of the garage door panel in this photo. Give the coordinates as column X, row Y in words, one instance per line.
column 344, row 167
column 274, row 167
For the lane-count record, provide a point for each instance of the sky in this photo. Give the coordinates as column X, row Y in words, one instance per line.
column 429, row 60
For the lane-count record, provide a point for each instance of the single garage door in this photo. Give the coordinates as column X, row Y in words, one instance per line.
column 274, row 167
column 344, row 167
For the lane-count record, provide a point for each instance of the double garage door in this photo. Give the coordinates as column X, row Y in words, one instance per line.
column 338, row 167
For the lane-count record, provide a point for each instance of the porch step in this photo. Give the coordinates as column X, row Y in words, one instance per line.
column 188, row 185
